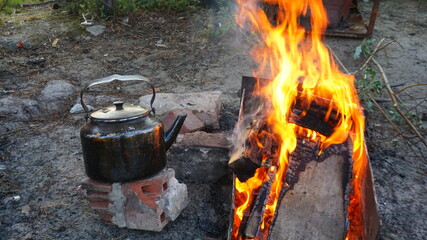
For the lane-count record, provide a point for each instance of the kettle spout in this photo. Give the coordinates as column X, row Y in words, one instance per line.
column 172, row 133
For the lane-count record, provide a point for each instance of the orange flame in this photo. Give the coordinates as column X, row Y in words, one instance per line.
column 302, row 68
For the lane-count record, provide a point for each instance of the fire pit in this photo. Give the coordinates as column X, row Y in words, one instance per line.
column 299, row 156
column 316, row 190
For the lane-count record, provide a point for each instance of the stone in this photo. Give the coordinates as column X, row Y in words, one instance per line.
column 205, row 105
column 314, row 209
column 56, row 95
column 198, row 164
column 26, row 209
column 78, row 108
column 147, row 204
column 204, row 139
column 21, row 109
column 96, row 30
column 191, row 123
column 10, row 42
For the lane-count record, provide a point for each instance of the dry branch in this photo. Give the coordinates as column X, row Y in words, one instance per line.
column 395, row 103
column 376, row 49
column 410, row 86
column 385, row 115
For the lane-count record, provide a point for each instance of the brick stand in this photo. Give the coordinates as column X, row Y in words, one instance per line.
column 147, row 204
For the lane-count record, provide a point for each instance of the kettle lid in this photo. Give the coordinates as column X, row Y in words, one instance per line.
column 119, row 112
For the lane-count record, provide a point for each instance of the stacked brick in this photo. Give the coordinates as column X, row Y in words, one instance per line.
column 147, row 204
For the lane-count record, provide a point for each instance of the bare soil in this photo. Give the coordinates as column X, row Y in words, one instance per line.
column 41, row 163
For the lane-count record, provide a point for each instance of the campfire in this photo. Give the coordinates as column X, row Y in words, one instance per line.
column 308, row 112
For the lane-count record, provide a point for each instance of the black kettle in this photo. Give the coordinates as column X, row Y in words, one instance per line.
column 124, row 142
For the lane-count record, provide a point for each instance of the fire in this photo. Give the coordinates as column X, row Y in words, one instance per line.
column 302, row 68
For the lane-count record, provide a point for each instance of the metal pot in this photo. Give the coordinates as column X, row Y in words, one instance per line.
column 124, row 142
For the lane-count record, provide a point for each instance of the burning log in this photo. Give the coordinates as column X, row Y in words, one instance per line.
column 315, row 116
column 309, row 117
column 259, row 142
column 253, row 223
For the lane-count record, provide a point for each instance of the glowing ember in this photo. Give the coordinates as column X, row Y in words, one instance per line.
column 302, row 69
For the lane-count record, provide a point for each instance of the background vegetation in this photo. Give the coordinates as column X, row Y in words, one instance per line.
column 123, row 7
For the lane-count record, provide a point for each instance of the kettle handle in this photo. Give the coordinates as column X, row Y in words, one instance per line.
column 119, row 78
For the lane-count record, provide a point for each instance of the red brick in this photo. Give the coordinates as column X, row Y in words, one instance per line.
column 209, row 120
column 106, row 216
column 96, row 186
column 149, row 190
column 96, row 196
column 135, row 205
column 205, row 103
column 204, row 139
column 99, row 204
column 191, row 123
column 154, row 189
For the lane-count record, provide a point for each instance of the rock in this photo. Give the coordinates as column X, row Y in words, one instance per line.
column 26, row 209
column 78, row 108
column 205, row 105
column 10, row 42
column 191, row 123
column 100, row 101
column 198, row 164
column 56, row 95
column 22, row 109
column 96, row 30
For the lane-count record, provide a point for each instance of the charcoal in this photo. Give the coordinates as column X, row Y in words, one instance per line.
column 243, row 168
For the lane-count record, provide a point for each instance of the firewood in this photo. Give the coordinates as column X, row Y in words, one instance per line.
column 254, row 221
column 313, row 115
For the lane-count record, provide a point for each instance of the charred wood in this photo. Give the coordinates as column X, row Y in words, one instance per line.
column 253, row 223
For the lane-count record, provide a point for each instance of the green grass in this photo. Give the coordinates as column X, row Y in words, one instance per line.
column 7, row 6
column 124, row 7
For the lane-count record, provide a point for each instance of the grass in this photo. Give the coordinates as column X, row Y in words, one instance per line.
column 7, row 6
column 124, row 7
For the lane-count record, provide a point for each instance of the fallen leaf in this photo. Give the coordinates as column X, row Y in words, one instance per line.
column 55, row 42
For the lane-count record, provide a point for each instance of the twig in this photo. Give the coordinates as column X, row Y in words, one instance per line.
column 399, row 133
column 385, row 115
column 179, row 78
column 370, row 56
column 413, row 85
column 338, row 60
column 397, row 84
column 123, row 23
column 395, row 103
column 382, row 99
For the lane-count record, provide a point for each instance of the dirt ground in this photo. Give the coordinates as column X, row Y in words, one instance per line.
column 41, row 163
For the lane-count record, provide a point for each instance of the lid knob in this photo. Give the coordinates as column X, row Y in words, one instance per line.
column 119, row 105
